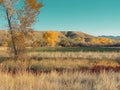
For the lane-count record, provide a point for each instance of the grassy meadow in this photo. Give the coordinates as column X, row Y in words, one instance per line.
column 56, row 81
column 62, row 69
column 49, row 52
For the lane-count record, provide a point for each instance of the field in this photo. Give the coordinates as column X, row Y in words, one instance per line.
column 64, row 81
column 78, row 49
column 50, row 51
column 85, row 68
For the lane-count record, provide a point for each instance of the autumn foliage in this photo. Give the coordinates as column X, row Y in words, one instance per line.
column 101, row 41
column 50, row 37
column 1, row 1
column 34, row 4
column 19, row 21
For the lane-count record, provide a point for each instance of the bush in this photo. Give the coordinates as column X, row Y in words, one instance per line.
column 68, row 43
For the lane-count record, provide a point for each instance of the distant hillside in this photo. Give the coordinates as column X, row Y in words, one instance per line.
column 63, row 36
column 65, row 39
column 72, row 34
column 112, row 37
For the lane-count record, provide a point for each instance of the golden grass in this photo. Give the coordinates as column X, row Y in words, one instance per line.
column 48, row 65
column 68, row 55
column 77, row 55
column 3, row 51
column 106, row 63
column 65, row 80
column 3, row 48
column 55, row 81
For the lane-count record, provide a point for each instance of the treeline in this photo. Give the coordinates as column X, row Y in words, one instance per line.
column 53, row 38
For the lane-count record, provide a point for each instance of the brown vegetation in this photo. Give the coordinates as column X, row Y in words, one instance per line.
column 64, row 39
column 26, row 17
column 56, row 81
column 52, row 70
column 67, row 61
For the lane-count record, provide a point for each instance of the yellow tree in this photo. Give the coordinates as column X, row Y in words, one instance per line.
column 101, row 41
column 50, row 37
column 20, row 21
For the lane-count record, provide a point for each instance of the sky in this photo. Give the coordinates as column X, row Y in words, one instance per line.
column 96, row 17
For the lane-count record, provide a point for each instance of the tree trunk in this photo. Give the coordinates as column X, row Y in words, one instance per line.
column 12, row 34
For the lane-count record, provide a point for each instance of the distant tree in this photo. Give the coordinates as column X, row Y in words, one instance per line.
column 50, row 37
column 20, row 21
column 36, row 43
column 68, row 42
column 101, row 41
column 81, row 40
column 65, row 43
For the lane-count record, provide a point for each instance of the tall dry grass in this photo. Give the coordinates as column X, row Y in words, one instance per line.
column 67, row 55
column 58, row 65
column 77, row 55
column 56, row 81
column 3, row 52
column 60, row 81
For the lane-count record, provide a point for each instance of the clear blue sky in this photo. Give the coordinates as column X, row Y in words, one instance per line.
column 96, row 17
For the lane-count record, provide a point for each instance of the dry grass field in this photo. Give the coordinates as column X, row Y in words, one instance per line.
column 61, row 71
column 3, row 51
column 76, row 55
column 49, row 51
column 56, row 81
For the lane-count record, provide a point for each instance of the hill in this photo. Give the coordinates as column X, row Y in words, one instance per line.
column 112, row 37
column 65, row 39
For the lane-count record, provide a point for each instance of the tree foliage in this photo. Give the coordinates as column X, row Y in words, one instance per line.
column 1, row 1
column 101, row 41
column 20, row 21
column 50, row 37
column 33, row 4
